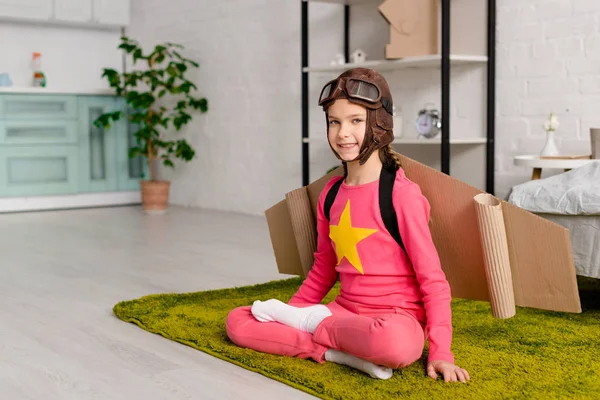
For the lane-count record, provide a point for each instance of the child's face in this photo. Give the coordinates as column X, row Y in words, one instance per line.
column 347, row 125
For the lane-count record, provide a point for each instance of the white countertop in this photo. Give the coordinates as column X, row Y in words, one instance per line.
column 59, row 90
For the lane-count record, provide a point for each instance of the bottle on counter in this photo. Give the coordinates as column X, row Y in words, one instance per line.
column 39, row 78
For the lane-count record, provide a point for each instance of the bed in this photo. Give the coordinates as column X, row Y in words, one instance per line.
column 570, row 199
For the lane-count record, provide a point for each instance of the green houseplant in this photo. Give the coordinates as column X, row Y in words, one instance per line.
column 159, row 97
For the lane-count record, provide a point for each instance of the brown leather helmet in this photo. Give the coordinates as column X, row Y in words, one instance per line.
column 368, row 88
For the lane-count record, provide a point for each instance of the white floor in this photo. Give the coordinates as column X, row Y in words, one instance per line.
column 61, row 272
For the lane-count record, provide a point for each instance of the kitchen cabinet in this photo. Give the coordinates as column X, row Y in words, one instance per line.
column 111, row 14
column 37, row 170
column 73, row 10
column 44, row 107
column 49, row 145
column 129, row 170
column 23, row 132
column 97, row 146
column 26, row 9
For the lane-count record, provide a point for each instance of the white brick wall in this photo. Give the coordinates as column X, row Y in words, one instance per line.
column 248, row 143
column 548, row 61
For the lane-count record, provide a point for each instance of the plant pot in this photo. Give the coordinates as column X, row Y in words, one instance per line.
column 155, row 196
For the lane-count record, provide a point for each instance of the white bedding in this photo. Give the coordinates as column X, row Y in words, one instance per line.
column 570, row 199
column 585, row 241
column 576, row 192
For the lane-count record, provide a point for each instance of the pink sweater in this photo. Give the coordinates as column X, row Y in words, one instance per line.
column 389, row 277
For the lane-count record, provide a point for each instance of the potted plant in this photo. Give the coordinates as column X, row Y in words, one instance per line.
column 158, row 97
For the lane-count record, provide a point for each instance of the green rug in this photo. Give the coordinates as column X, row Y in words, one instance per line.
column 534, row 355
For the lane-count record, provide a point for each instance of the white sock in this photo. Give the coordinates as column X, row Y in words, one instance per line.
column 305, row 319
column 375, row 371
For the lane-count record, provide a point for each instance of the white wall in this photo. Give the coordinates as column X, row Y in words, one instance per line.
column 248, row 152
column 548, row 61
column 248, row 143
column 71, row 57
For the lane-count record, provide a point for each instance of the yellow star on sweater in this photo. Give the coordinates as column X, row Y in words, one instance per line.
column 346, row 238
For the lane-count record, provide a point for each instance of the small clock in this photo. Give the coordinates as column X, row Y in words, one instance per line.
column 428, row 123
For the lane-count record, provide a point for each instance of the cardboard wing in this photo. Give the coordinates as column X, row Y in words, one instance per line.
column 489, row 249
column 293, row 227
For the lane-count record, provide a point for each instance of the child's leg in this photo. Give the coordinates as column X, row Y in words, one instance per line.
column 274, row 338
column 306, row 319
column 376, row 371
column 392, row 340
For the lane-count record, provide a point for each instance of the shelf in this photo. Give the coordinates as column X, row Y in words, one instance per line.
column 438, row 140
column 345, row 2
column 409, row 62
column 39, row 90
column 473, row 56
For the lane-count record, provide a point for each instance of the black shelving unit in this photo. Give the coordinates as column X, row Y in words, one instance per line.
column 445, row 87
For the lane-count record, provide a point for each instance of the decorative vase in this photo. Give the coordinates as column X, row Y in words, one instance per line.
column 398, row 123
column 550, row 148
column 155, row 196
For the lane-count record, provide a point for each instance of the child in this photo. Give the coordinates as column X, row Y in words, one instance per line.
column 393, row 297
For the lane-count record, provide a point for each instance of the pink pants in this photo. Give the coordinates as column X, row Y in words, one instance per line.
column 388, row 337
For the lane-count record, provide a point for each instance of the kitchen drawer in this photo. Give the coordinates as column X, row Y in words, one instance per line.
column 37, row 132
column 38, row 170
column 38, row 107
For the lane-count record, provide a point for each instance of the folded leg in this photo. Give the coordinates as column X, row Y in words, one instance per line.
column 305, row 319
column 271, row 337
column 393, row 340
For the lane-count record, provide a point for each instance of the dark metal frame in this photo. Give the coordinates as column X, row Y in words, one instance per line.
column 491, row 98
column 445, row 88
column 304, row 43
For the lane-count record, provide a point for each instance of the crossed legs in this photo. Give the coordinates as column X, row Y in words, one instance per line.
column 374, row 344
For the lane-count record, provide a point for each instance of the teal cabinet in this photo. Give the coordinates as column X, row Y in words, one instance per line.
column 49, row 145
column 36, row 106
column 38, row 170
column 24, row 132
column 97, row 146
column 129, row 170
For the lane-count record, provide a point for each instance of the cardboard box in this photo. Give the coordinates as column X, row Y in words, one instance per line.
column 489, row 249
column 415, row 27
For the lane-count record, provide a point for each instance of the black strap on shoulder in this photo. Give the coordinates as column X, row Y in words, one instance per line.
column 330, row 198
column 386, row 204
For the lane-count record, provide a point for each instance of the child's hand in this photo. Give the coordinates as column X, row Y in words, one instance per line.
column 449, row 371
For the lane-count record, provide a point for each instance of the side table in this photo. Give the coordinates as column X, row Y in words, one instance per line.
column 537, row 163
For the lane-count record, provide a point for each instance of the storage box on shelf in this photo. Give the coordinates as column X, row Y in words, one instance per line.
column 465, row 31
column 49, row 146
column 468, row 21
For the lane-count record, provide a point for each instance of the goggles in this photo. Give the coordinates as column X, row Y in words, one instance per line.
column 354, row 88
